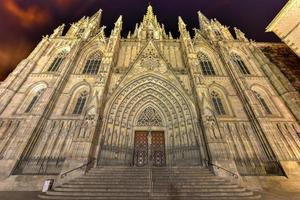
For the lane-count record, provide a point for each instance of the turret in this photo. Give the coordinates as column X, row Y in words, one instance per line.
column 86, row 26
column 115, row 35
column 203, row 21
column 185, row 36
column 213, row 29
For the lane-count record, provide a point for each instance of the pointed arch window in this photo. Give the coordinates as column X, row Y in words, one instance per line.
column 149, row 117
column 80, row 103
column 57, row 62
column 241, row 64
column 206, row 65
column 92, row 65
column 263, row 103
column 34, row 100
column 218, row 104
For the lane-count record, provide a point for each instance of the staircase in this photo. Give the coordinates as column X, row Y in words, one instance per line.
column 176, row 183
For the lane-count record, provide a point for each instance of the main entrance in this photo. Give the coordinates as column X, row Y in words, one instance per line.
column 149, row 148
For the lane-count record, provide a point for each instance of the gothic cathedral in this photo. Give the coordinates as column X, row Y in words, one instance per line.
column 147, row 100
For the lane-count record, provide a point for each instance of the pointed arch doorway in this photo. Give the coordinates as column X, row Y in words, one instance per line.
column 149, row 144
column 158, row 112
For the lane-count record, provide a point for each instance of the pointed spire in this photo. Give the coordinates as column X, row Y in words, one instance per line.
column 203, row 21
column 202, row 18
column 240, row 35
column 181, row 22
column 119, row 22
column 97, row 17
column 150, row 13
column 185, row 36
column 182, row 27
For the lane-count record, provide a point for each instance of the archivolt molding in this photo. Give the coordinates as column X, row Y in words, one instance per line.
column 124, row 108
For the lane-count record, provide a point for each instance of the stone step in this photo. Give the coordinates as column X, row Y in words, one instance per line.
column 118, row 176
column 144, row 194
column 161, row 185
column 116, row 186
column 117, row 173
column 181, row 183
column 155, row 190
column 114, row 177
column 132, row 184
column 151, row 198
column 137, row 187
column 91, row 194
column 182, row 173
column 155, row 179
column 119, row 190
column 110, row 182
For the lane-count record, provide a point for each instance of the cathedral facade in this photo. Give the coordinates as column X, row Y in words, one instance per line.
column 147, row 100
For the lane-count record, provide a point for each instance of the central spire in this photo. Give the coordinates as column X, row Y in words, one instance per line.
column 150, row 13
column 149, row 28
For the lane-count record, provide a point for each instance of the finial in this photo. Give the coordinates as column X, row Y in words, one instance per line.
column 149, row 10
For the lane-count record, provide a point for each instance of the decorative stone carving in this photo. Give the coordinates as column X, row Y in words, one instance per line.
column 149, row 117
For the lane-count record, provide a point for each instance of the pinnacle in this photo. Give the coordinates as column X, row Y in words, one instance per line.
column 150, row 13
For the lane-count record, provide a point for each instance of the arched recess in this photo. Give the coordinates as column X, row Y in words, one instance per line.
column 77, row 91
column 207, row 67
column 241, row 63
column 210, row 53
column 223, row 95
column 56, row 57
column 33, row 94
column 86, row 53
column 184, row 144
column 262, row 97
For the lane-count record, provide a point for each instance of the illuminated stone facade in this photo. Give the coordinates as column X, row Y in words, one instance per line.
column 84, row 95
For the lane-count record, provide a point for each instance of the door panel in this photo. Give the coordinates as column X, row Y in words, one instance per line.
column 141, row 148
column 158, row 149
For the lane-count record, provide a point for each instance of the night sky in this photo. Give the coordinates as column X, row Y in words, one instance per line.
column 23, row 22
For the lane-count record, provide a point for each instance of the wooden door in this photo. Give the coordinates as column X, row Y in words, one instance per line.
column 158, row 156
column 140, row 148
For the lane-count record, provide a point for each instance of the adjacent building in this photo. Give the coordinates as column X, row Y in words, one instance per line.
column 286, row 25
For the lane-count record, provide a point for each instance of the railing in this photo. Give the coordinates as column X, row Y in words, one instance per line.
column 77, row 168
column 39, row 166
column 259, row 168
column 219, row 167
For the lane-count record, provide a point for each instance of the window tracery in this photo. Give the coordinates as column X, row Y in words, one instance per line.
column 149, row 117
column 218, row 104
column 57, row 62
column 206, row 65
column 241, row 64
column 92, row 65
column 263, row 103
column 34, row 100
column 80, row 103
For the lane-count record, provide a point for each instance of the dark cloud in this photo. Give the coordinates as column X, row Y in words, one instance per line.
column 23, row 22
column 30, row 16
